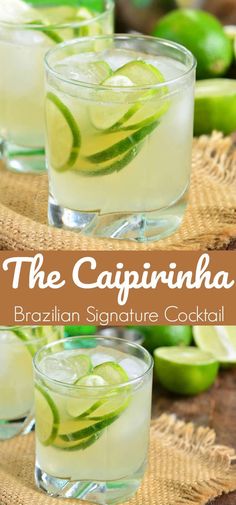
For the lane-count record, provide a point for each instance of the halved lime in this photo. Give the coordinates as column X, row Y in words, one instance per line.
column 219, row 340
column 47, row 416
column 63, row 134
column 185, row 370
column 111, row 372
column 123, row 145
column 135, row 73
column 215, row 106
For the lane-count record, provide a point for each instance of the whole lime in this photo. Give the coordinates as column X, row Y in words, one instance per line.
column 163, row 336
column 203, row 35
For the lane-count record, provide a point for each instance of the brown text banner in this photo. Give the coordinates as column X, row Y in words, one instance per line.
column 117, row 288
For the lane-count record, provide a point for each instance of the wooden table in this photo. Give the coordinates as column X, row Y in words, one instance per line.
column 215, row 408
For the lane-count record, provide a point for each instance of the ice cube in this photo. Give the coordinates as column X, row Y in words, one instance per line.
column 59, row 369
column 7, row 336
column 98, row 358
column 134, row 367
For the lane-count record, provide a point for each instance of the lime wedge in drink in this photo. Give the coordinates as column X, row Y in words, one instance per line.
column 115, row 117
column 215, row 106
column 47, row 416
column 219, row 340
column 185, row 370
column 62, row 125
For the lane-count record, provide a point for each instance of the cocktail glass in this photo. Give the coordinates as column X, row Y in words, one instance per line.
column 119, row 114
column 17, row 348
column 93, row 404
column 27, row 31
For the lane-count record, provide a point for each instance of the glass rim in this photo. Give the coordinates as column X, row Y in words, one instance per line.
column 109, row 6
column 75, row 387
column 121, row 36
column 30, row 341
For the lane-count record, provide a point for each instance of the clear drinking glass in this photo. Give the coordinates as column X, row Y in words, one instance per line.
column 93, row 405
column 36, row 27
column 119, row 115
column 17, row 348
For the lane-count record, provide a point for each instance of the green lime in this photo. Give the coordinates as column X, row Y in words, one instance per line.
column 203, row 35
column 219, row 340
column 186, row 371
column 61, row 125
column 112, row 373
column 47, row 416
column 163, row 336
column 215, row 106
column 133, row 73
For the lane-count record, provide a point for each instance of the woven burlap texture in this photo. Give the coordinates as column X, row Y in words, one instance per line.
column 209, row 223
column 186, row 467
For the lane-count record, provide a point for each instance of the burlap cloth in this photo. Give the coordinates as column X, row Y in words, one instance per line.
column 186, row 468
column 210, row 220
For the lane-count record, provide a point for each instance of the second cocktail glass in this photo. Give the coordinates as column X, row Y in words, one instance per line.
column 119, row 115
column 27, row 31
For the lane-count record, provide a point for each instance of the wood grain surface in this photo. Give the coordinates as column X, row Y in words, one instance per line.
column 216, row 408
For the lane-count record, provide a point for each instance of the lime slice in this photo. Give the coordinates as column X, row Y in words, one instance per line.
column 185, row 370
column 107, row 408
column 219, row 340
column 47, row 416
column 93, row 28
column 76, row 446
column 89, row 170
column 82, row 364
column 134, row 73
column 61, row 125
column 123, row 145
column 215, row 106
column 89, row 430
column 112, row 373
column 76, row 407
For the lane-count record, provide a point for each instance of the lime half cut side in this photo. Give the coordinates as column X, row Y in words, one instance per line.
column 64, row 136
column 219, row 340
column 185, row 370
column 215, row 106
column 47, row 416
column 119, row 116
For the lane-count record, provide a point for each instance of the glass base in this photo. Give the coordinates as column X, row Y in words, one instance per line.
column 103, row 493
column 9, row 429
column 138, row 227
column 23, row 160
